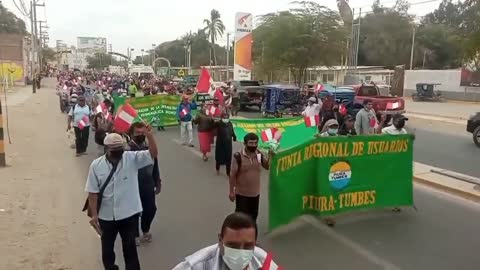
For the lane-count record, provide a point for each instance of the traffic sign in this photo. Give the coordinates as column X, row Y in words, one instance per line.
column 181, row 73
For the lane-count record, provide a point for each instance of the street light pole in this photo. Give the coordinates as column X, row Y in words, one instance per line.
column 413, row 48
column 154, row 54
column 228, row 55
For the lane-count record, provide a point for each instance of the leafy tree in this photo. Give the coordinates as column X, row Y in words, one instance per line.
column 175, row 50
column 302, row 37
column 101, row 61
column 214, row 28
column 386, row 36
column 48, row 54
column 440, row 45
column 9, row 23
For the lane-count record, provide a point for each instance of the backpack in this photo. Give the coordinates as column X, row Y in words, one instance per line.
column 238, row 158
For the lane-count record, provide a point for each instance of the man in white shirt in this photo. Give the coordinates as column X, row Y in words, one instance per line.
column 120, row 201
column 313, row 108
column 79, row 118
column 397, row 127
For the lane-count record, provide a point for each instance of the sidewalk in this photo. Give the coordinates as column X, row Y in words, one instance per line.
column 447, row 181
column 41, row 225
column 449, row 110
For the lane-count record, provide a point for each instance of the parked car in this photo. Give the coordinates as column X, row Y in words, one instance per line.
column 388, row 105
column 473, row 126
column 250, row 93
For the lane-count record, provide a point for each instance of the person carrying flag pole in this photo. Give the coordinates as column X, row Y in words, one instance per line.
column 184, row 117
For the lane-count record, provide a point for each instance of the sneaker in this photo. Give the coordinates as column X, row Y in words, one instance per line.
column 191, row 145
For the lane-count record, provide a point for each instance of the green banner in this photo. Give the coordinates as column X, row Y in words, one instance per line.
column 158, row 110
column 331, row 175
column 293, row 130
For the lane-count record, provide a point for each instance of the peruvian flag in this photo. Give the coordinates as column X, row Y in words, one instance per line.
column 102, row 108
column 83, row 122
column 269, row 264
column 393, row 106
column 124, row 119
column 318, row 87
column 342, row 109
column 184, row 112
column 312, row 121
column 271, row 134
column 213, row 111
column 204, row 81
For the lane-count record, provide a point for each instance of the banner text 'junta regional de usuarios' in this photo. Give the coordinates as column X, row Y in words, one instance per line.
column 331, row 175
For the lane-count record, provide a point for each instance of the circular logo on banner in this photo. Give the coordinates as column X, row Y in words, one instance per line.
column 340, row 175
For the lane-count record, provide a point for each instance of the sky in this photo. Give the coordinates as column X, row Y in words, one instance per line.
column 140, row 23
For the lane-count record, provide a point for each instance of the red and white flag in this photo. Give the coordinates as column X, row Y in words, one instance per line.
column 124, row 118
column 271, row 134
column 269, row 264
column 393, row 105
column 102, row 108
column 312, row 121
column 83, row 122
column 318, row 87
column 212, row 111
column 204, row 81
column 184, row 112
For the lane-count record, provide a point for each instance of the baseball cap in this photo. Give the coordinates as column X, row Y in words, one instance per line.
column 113, row 141
column 312, row 99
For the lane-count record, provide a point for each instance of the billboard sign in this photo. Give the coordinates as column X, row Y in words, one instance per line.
column 92, row 44
column 242, row 69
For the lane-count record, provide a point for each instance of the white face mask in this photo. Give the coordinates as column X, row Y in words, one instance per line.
column 237, row 259
column 225, row 120
column 332, row 131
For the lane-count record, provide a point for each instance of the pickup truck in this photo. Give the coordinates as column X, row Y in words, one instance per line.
column 250, row 93
column 381, row 104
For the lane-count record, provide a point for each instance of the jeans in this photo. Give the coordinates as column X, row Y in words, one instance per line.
column 186, row 127
column 128, row 229
column 81, row 139
column 149, row 209
column 247, row 205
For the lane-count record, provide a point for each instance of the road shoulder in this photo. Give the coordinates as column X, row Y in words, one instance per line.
column 42, row 226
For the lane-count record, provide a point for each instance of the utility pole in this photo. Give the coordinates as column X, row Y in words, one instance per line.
column 33, row 47
column 413, row 48
column 228, row 55
column 190, row 53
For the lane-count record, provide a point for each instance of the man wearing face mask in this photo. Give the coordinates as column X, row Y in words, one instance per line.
column 236, row 249
column 116, row 173
column 330, row 128
column 245, row 176
column 397, row 127
column 149, row 181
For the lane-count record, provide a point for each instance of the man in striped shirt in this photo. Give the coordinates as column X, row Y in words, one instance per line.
column 235, row 250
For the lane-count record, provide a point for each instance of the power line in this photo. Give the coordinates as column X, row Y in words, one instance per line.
column 19, row 9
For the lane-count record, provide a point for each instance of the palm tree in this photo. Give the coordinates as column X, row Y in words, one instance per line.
column 214, row 28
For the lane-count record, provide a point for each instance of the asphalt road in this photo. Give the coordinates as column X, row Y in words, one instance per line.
column 194, row 202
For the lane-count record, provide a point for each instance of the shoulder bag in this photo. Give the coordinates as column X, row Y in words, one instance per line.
column 86, row 206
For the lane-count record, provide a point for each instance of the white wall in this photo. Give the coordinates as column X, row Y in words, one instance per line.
column 450, row 79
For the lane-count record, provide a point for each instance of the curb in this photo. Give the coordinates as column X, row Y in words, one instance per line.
column 453, row 101
column 437, row 115
column 466, row 195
